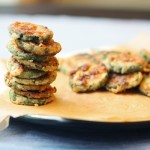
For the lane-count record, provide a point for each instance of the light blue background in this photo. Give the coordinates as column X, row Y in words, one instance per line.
column 77, row 33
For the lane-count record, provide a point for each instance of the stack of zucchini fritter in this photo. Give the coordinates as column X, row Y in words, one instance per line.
column 116, row 71
column 32, row 67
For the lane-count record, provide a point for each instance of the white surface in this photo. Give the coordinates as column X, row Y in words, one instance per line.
column 75, row 33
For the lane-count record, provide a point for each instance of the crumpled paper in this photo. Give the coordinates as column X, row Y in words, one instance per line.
column 4, row 121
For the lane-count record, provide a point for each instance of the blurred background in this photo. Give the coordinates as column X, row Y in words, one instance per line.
column 98, row 8
column 79, row 24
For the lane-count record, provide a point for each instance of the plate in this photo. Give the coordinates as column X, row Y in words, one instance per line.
column 83, row 125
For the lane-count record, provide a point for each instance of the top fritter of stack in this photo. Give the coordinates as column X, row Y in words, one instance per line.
column 32, row 42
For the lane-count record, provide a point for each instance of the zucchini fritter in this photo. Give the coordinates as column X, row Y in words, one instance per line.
column 145, row 54
column 88, row 78
column 31, row 74
column 30, row 32
column 51, row 48
column 145, row 85
column 20, row 54
column 34, row 94
column 125, row 63
column 46, row 79
column 20, row 71
column 71, row 63
column 22, row 100
column 16, row 86
column 103, row 56
column 119, row 83
column 50, row 65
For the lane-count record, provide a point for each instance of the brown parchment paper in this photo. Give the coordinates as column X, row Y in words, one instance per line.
column 97, row 106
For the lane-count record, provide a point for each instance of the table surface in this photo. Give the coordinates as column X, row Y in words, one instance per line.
column 74, row 33
column 26, row 136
